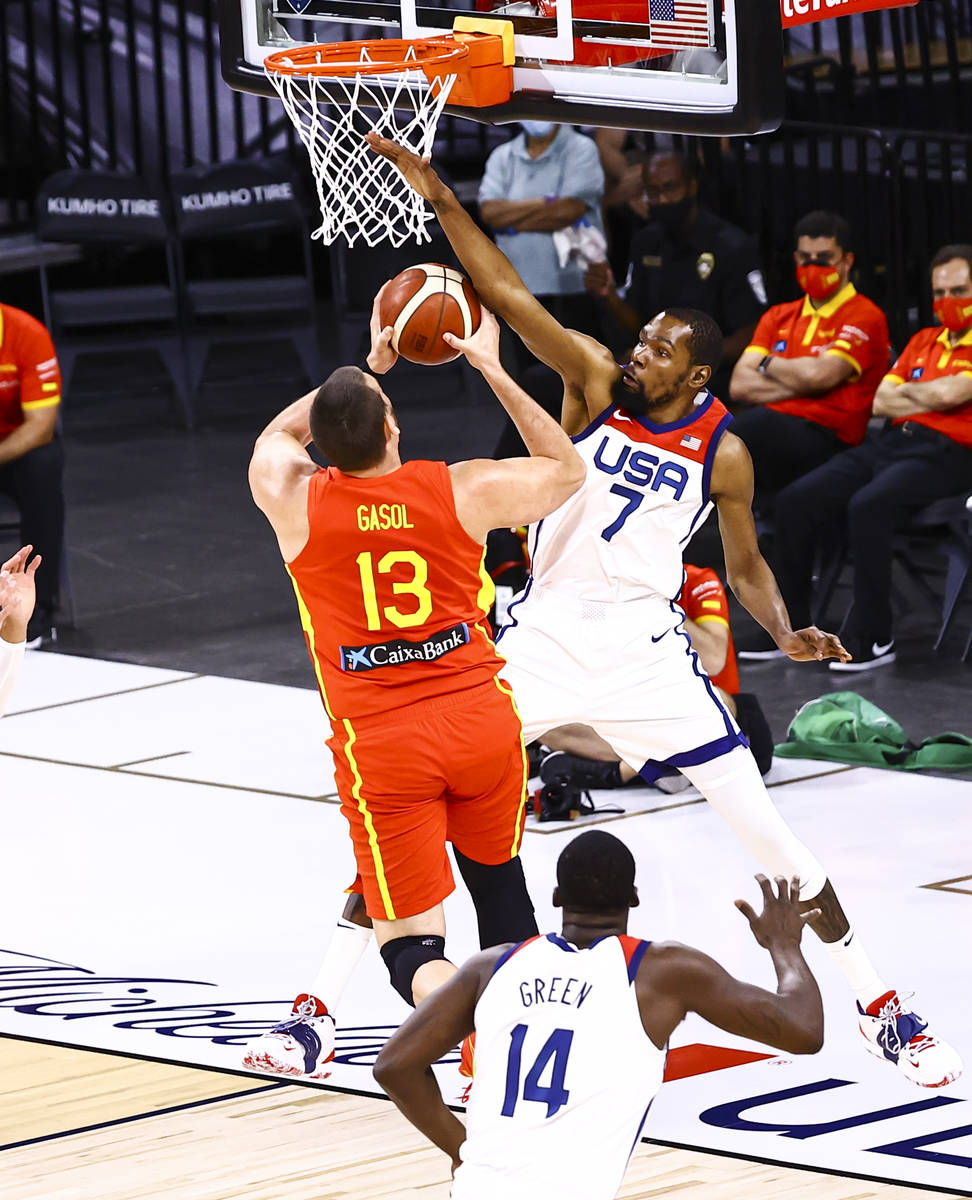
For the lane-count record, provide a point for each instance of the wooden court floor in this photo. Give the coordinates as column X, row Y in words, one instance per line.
column 83, row 1125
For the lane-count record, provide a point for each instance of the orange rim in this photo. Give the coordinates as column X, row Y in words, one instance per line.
column 337, row 59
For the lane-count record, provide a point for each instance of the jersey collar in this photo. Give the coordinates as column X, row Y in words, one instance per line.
column 964, row 340
column 693, row 414
column 828, row 309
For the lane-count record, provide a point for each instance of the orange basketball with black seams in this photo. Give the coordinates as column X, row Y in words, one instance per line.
column 424, row 302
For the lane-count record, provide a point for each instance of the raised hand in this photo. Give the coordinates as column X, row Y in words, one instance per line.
column 781, row 920
column 417, row 172
column 481, row 348
column 382, row 356
column 17, row 594
column 806, row 645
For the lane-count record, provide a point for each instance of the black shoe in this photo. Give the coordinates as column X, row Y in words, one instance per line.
column 41, row 631
column 866, row 659
column 758, row 647
column 583, row 773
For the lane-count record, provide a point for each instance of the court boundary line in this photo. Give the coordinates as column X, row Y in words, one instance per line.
column 143, row 1116
column 573, row 826
column 323, row 798
column 143, row 687
column 318, row 1085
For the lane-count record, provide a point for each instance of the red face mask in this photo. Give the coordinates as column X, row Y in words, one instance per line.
column 817, row 281
column 954, row 312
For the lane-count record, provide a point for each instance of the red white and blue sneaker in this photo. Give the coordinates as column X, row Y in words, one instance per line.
column 902, row 1038
column 300, row 1046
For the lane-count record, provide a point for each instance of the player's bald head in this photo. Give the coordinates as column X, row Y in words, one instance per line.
column 595, row 873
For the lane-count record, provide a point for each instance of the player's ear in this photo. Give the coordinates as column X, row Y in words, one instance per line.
column 557, row 902
column 700, row 376
column 391, row 424
column 634, row 902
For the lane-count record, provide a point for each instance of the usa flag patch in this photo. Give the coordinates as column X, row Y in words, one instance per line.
column 693, row 443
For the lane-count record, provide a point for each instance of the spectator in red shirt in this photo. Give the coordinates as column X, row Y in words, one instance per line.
column 582, row 759
column 812, row 366
column 31, row 455
column 923, row 454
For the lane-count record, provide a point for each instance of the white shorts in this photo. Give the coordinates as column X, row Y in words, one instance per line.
column 627, row 670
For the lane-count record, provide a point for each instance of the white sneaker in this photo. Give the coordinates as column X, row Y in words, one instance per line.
column 300, row 1046
column 901, row 1037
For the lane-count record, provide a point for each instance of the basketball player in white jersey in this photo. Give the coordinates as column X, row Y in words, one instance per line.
column 17, row 597
column 572, row 1033
column 597, row 638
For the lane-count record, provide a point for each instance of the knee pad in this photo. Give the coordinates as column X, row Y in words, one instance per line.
column 499, row 893
column 403, row 956
column 752, row 721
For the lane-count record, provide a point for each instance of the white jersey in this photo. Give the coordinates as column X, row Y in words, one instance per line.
column 565, row 1073
column 621, row 536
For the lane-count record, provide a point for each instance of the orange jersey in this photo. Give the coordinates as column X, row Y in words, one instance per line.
column 929, row 355
column 392, row 591
column 848, row 325
column 29, row 374
column 703, row 598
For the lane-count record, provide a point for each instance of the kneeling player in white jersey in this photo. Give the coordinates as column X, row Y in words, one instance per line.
column 597, row 638
column 572, row 1033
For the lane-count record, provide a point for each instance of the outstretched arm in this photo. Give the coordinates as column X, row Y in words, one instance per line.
column 492, row 274
column 791, row 1018
column 278, row 473
column 404, row 1066
column 747, row 572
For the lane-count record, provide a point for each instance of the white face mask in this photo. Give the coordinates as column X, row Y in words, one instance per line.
column 538, row 129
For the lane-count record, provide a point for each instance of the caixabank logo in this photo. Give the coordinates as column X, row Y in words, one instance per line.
column 716, row 1098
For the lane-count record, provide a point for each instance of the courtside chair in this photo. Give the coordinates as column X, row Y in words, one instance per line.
column 243, row 252
column 122, row 295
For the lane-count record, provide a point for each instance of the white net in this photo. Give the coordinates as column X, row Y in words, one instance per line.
column 362, row 196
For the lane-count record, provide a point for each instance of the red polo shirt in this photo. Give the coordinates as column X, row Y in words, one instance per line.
column 848, row 325
column 929, row 355
column 29, row 374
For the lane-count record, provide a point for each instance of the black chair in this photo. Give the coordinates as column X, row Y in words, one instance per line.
column 944, row 527
column 244, row 261
column 121, row 224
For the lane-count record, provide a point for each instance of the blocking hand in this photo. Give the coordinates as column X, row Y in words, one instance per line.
column 481, row 348
column 781, row 920
column 417, row 172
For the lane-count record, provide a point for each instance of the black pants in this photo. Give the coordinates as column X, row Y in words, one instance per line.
column 539, row 381
column 34, row 483
column 875, row 489
column 783, row 447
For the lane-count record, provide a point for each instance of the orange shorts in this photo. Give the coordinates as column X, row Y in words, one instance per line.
column 451, row 769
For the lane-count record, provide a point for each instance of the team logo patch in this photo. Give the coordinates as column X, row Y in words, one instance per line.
column 779, row 347
column 705, row 264
column 398, row 651
column 916, row 372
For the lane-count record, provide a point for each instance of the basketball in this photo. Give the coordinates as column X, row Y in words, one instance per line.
column 424, row 302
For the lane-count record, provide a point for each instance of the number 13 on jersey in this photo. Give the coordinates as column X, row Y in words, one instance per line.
column 416, row 586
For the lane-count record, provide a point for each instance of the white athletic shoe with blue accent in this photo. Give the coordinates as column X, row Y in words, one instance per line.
column 902, row 1038
column 300, row 1047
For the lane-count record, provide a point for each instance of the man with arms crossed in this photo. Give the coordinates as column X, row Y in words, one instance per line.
column 597, row 638
column 590, row 1011
column 386, row 563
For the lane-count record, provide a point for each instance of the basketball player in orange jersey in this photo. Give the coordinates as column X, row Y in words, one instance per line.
column 386, row 560
column 597, row 638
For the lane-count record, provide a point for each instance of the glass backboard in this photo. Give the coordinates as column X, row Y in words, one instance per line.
column 681, row 66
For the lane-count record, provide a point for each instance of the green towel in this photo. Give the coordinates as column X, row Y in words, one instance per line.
column 845, row 727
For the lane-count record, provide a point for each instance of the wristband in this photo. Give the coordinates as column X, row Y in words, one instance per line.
column 764, row 363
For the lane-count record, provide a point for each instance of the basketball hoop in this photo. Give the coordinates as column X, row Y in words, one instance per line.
column 336, row 93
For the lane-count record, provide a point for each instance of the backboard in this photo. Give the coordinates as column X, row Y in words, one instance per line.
column 679, row 66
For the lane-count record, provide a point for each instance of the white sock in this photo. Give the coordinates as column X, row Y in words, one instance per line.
column 849, row 954
column 344, row 953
